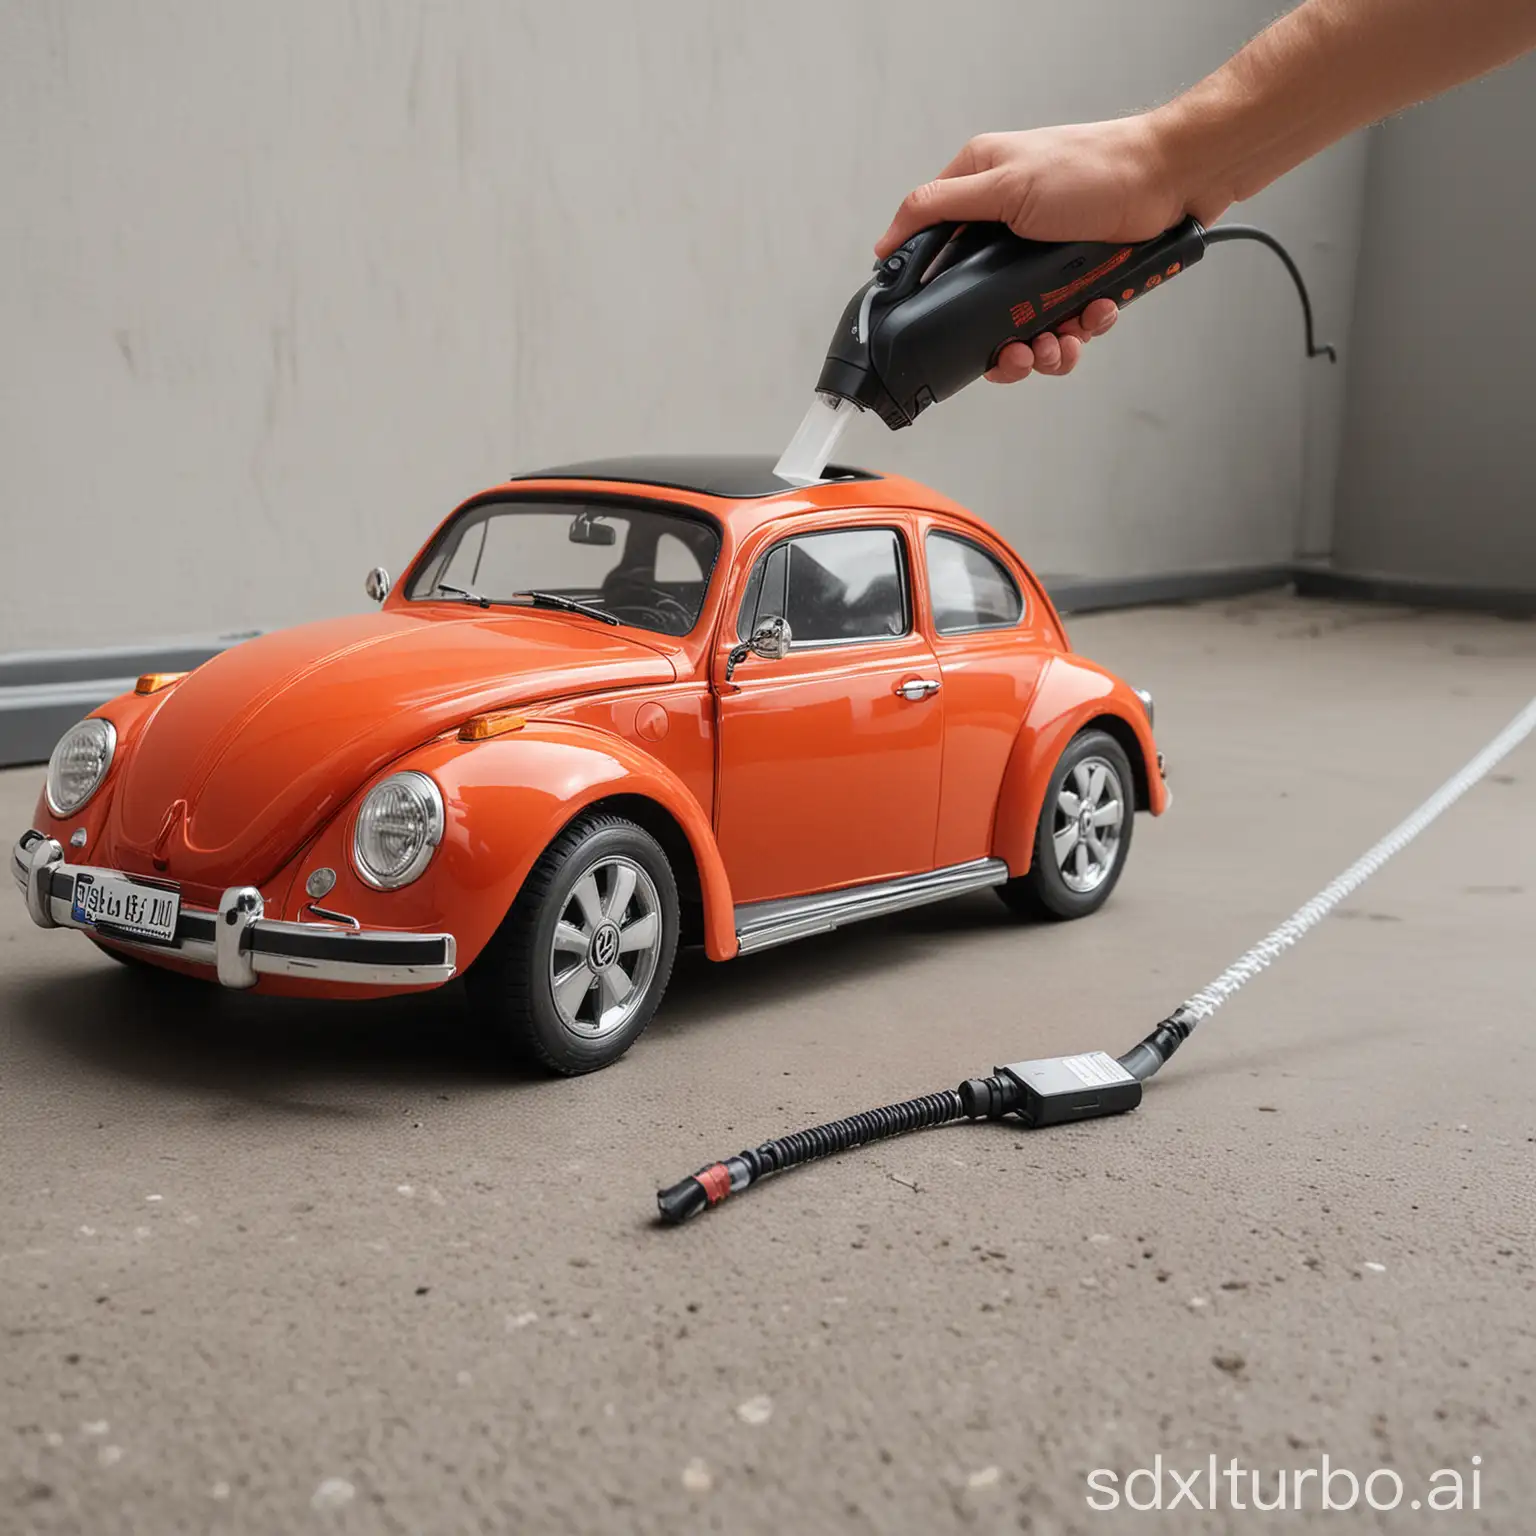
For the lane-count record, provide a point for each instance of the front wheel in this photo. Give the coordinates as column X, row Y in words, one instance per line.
column 1084, row 833
column 578, row 966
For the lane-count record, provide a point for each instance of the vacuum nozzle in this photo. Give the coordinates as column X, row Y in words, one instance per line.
column 811, row 448
column 709, row 1186
column 683, row 1201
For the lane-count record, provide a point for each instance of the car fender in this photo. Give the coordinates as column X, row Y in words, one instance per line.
column 1072, row 693
column 506, row 799
column 127, row 713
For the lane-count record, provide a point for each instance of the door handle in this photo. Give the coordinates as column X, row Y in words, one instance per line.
column 917, row 688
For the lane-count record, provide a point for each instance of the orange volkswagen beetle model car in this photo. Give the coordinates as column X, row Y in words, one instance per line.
column 609, row 708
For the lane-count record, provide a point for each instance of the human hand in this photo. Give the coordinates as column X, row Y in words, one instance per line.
column 1087, row 181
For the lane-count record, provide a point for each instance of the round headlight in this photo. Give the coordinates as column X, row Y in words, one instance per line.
column 79, row 764
column 399, row 824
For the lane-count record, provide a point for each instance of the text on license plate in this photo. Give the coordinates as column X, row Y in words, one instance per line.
column 112, row 902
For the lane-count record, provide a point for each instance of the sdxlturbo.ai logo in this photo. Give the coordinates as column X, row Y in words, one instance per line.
column 1239, row 1487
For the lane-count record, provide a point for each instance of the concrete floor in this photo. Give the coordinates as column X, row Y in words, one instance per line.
column 273, row 1267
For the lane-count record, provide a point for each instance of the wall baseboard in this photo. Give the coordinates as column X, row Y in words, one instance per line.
column 1087, row 594
column 1341, row 586
column 43, row 693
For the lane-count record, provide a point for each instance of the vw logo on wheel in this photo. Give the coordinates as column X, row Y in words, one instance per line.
column 605, row 947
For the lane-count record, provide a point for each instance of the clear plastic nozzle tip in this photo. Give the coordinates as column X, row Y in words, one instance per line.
column 811, row 448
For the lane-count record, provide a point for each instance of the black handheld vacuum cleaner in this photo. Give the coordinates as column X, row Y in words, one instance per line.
column 938, row 311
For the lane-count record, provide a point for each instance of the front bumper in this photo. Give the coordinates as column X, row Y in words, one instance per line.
column 238, row 943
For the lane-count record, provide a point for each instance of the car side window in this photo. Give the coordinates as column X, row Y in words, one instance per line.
column 846, row 584
column 764, row 594
column 969, row 588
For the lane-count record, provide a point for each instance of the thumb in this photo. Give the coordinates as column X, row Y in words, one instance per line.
column 956, row 199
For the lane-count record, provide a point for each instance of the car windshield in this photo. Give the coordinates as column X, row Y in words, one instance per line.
column 643, row 565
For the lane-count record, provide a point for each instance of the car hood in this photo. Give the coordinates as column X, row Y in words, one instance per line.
column 252, row 753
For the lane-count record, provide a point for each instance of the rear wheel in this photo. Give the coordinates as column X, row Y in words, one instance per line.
column 580, row 963
column 1084, row 834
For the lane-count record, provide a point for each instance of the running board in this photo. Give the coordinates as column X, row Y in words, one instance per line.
column 762, row 924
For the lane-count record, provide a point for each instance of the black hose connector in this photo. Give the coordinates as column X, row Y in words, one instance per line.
column 709, row 1186
column 1151, row 1055
column 989, row 1098
column 683, row 1200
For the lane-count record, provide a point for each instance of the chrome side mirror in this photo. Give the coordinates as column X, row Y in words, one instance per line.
column 771, row 640
column 377, row 584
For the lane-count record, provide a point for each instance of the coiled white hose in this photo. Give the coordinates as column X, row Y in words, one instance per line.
column 1210, row 997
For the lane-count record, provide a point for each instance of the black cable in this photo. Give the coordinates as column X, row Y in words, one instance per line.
column 1252, row 232
column 1047, row 1092
column 869, row 1125
column 709, row 1186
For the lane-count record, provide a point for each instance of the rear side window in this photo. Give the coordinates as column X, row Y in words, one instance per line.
column 849, row 584
column 969, row 588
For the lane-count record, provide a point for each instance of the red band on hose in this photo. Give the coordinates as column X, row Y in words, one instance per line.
column 716, row 1180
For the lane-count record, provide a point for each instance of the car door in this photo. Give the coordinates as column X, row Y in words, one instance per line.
column 990, row 651
column 829, row 757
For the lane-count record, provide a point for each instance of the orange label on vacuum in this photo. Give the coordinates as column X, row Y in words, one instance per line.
column 1023, row 313
column 1058, row 296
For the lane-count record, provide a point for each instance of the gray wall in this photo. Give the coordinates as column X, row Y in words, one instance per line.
column 1438, row 482
column 281, row 283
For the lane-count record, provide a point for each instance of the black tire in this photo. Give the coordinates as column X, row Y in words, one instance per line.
column 1046, row 890
column 512, row 982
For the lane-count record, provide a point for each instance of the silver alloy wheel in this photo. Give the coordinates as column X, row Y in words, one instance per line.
column 1090, row 811
column 606, row 945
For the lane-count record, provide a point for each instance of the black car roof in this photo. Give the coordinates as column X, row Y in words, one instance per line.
column 740, row 476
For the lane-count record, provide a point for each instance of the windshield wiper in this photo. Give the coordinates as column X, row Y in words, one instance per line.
column 464, row 592
column 569, row 604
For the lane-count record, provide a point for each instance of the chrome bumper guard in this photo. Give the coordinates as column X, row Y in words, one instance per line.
column 237, row 942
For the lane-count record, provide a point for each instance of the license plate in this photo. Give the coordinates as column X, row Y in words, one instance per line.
column 124, row 906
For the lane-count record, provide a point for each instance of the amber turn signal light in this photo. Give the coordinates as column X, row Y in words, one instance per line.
column 153, row 682
column 498, row 723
